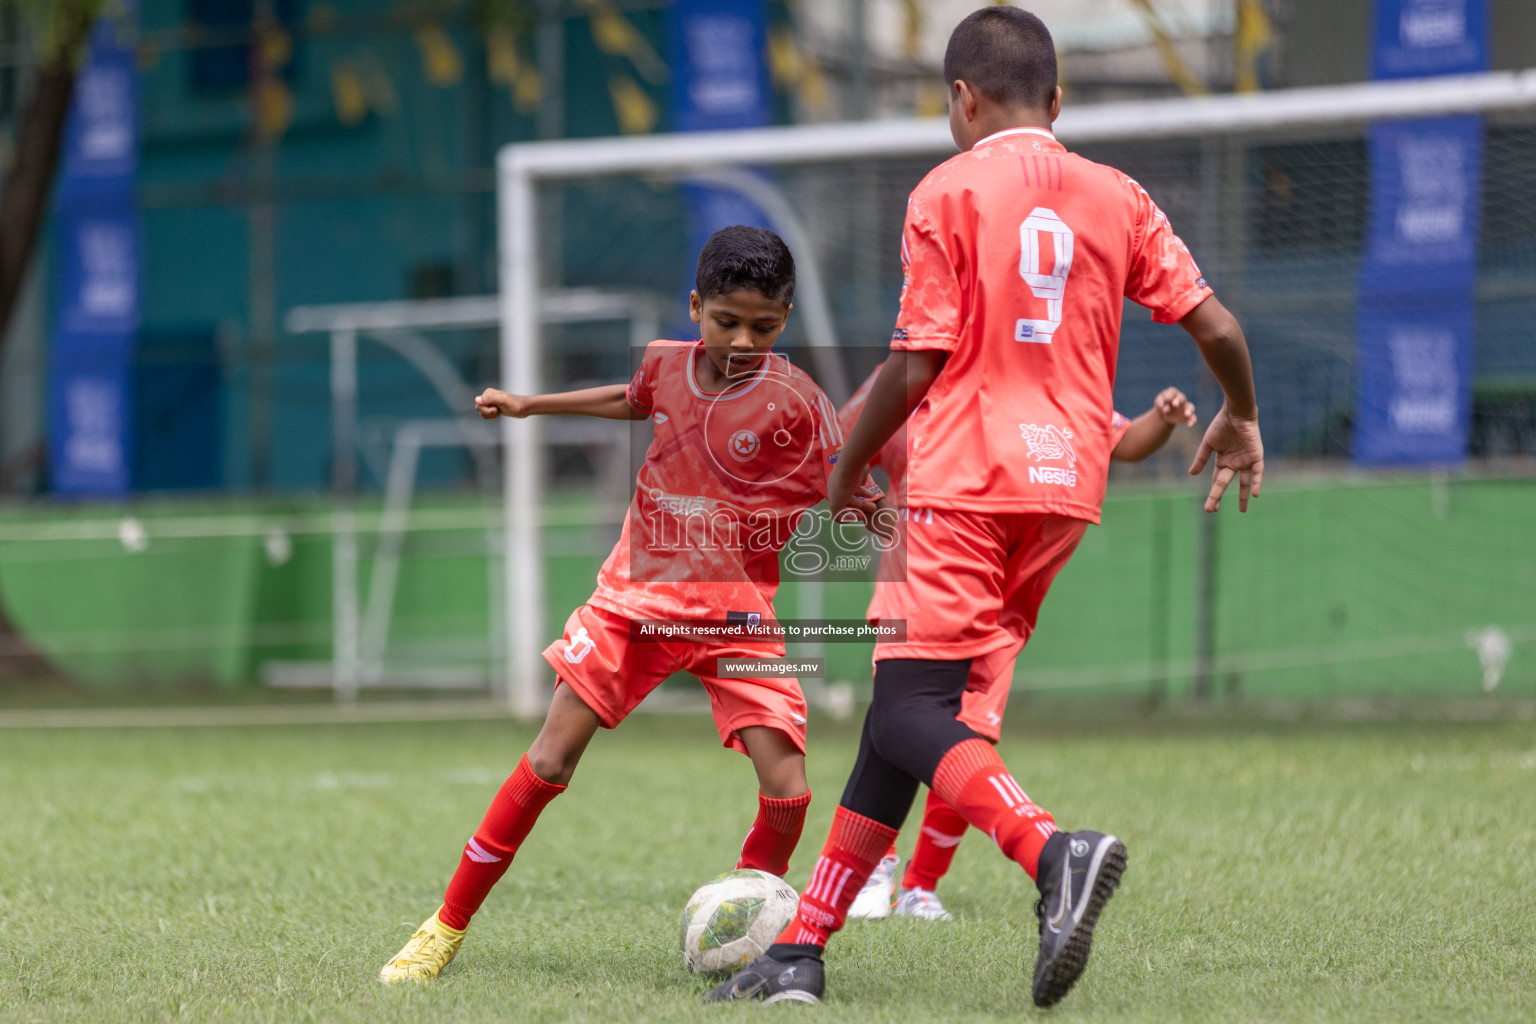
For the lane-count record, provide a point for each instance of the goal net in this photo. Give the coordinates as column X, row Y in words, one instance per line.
column 1337, row 584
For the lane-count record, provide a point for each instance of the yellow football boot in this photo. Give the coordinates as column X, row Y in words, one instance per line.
column 430, row 950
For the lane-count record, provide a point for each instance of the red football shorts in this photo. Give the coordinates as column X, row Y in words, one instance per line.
column 975, row 582
column 986, row 691
column 612, row 674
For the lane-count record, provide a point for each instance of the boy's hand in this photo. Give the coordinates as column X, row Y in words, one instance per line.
column 493, row 403
column 882, row 522
column 843, row 485
column 1239, row 453
column 1174, row 407
column 865, row 506
column 864, row 502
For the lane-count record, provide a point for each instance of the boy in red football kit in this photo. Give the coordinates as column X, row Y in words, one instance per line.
column 991, row 675
column 743, row 445
column 1018, row 256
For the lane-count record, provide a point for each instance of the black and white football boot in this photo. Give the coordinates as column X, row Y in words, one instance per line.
column 1078, row 874
column 778, row 976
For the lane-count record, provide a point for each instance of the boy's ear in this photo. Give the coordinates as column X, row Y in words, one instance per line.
column 695, row 307
column 1055, row 105
column 967, row 98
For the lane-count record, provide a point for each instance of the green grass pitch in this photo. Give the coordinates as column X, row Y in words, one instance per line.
column 1306, row 872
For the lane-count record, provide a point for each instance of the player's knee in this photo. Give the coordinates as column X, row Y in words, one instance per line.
column 779, row 763
column 553, row 762
column 784, row 780
column 890, row 727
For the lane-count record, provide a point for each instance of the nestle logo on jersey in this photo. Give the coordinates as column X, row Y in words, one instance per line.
column 1052, row 475
column 678, row 505
column 1050, row 443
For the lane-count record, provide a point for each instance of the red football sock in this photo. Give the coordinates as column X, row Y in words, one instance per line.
column 775, row 833
column 974, row 781
column 489, row 854
column 852, row 851
column 943, row 828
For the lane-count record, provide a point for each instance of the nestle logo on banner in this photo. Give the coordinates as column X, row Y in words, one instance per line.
column 1432, row 23
column 108, row 288
column 1425, row 380
column 94, row 439
column 723, row 83
column 1435, row 187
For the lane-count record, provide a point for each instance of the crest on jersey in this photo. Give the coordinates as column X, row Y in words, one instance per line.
column 1049, row 443
column 744, row 445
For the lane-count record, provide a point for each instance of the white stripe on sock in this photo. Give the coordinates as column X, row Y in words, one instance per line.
column 479, row 854
column 942, row 841
column 1002, row 790
column 1014, row 784
column 841, row 881
column 818, row 878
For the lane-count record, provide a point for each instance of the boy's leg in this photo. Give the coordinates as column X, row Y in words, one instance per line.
column 763, row 718
column 568, row 727
column 541, row 775
column 782, row 799
column 873, row 903
column 981, row 708
column 602, row 677
column 972, row 567
column 937, row 841
column 975, row 583
column 875, row 802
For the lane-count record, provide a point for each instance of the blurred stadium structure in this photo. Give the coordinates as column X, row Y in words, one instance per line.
column 313, row 504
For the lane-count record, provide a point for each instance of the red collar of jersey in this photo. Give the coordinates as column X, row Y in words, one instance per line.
column 1008, row 133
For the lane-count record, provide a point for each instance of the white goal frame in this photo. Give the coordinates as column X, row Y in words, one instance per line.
column 522, row 167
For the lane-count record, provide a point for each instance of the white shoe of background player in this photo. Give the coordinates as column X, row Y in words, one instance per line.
column 874, row 900
column 922, row 904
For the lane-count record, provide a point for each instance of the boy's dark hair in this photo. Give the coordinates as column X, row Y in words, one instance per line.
column 739, row 257
column 1006, row 55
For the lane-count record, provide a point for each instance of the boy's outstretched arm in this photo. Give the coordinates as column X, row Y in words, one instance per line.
column 607, row 402
column 904, row 380
column 1152, row 429
column 1233, row 436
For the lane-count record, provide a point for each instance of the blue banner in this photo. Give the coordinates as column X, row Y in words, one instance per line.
column 1413, row 380
column 96, row 310
column 1415, row 38
column 719, row 82
column 1413, row 394
column 1426, row 185
column 719, row 71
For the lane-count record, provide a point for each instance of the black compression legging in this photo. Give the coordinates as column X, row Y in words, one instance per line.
column 908, row 729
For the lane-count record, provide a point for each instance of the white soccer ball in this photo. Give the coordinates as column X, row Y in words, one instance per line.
column 733, row 919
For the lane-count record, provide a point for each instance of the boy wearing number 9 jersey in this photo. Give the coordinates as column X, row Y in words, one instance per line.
column 1019, row 255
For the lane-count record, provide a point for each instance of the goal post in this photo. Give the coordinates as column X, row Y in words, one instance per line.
column 718, row 158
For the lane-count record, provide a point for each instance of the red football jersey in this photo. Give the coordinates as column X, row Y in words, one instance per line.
column 724, row 481
column 1018, row 254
